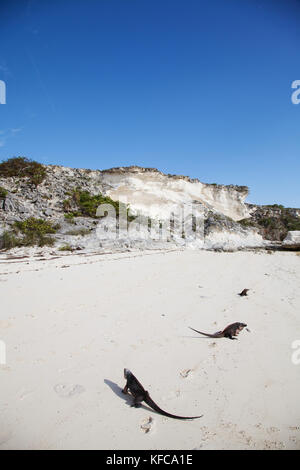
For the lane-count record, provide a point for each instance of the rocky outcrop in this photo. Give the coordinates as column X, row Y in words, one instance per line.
column 273, row 222
column 292, row 238
column 210, row 211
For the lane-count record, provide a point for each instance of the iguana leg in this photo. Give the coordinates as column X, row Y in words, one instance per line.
column 138, row 401
column 231, row 337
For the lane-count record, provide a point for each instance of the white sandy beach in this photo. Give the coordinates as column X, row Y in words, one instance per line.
column 71, row 324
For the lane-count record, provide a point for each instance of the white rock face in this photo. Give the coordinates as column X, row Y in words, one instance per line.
column 229, row 240
column 292, row 237
column 156, row 194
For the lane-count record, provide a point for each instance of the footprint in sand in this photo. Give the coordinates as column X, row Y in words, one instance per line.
column 185, row 373
column 147, row 424
column 273, row 429
column 294, row 428
column 68, row 390
column 25, row 394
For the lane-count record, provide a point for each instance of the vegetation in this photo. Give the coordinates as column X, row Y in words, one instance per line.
column 275, row 206
column 30, row 232
column 40, row 226
column 291, row 222
column 23, row 167
column 273, row 225
column 79, row 232
column 36, row 231
column 70, row 218
column 66, row 248
column 247, row 222
column 82, row 203
column 8, row 240
column 3, row 193
column 242, row 189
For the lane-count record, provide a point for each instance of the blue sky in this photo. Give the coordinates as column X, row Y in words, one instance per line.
column 200, row 88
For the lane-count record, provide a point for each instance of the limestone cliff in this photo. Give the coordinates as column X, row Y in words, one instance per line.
column 147, row 191
column 155, row 193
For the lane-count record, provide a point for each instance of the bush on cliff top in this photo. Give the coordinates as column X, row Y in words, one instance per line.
column 22, row 167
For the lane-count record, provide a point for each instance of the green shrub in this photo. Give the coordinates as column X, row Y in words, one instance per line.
column 8, row 240
column 246, row 223
column 67, row 205
column 87, row 205
column 66, row 248
column 3, row 193
column 32, row 225
column 80, row 231
column 35, row 232
column 292, row 223
column 275, row 206
column 70, row 217
column 22, row 167
column 242, row 189
column 286, row 221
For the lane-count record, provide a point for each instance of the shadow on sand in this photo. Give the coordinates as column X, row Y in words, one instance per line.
column 126, row 397
column 199, row 337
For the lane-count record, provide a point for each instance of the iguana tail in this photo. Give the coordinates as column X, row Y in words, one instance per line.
column 155, row 407
column 219, row 334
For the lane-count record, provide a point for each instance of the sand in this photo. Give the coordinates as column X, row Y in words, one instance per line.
column 71, row 324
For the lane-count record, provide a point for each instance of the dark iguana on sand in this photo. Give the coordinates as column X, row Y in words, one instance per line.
column 244, row 293
column 229, row 332
column 140, row 394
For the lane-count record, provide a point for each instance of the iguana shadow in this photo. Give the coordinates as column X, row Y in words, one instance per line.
column 126, row 397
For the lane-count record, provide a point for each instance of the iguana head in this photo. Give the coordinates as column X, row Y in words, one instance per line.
column 126, row 373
